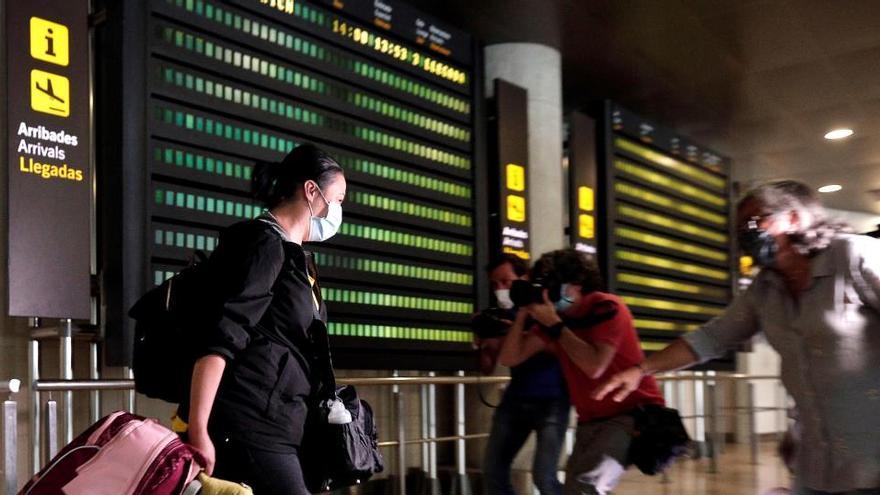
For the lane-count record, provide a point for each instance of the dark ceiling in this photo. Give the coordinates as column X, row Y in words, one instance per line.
column 761, row 81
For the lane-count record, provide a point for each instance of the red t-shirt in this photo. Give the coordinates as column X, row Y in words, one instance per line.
column 617, row 331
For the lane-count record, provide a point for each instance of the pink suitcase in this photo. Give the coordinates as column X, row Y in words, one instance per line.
column 122, row 454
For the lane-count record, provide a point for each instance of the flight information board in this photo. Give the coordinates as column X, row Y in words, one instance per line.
column 387, row 92
column 666, row 244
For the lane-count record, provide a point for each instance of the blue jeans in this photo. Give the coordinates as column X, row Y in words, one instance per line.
column 514, row 421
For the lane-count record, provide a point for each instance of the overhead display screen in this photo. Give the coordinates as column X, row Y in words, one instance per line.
column 665, row 243
column 387, row 92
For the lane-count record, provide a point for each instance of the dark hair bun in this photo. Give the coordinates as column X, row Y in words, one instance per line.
column 263, row 180
column 275, row 182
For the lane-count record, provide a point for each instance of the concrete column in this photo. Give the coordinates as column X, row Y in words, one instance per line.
column 538, row 68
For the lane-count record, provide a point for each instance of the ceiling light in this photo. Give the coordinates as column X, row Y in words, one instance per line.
column 830, row 188
column 839, row 134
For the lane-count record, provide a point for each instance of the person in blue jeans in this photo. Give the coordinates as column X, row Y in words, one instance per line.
column 536, row 400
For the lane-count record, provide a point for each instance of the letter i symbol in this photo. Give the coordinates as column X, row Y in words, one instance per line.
column 49, row 42
column 50, row 48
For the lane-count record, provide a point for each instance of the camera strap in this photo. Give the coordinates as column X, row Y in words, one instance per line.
column 483, row 397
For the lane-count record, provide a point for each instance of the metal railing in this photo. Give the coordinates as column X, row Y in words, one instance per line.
column 702, row 387
column 9, row 427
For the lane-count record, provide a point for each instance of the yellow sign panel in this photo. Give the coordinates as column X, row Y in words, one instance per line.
column 516, row 252
column 516, row 177
column 49, row 41
column 516, row 208
column 586, row 198
column 746, row 263
column 50, row 93
column 586, row 226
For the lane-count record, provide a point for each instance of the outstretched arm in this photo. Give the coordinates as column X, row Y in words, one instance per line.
column 675, row 356
column 738, row 324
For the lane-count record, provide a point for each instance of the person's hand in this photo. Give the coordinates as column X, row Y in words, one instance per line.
column 544, row 313
column 489, row 349
column 202, row 442
column 489, row 343
column 621, row 384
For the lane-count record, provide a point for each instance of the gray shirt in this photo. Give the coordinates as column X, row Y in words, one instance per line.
column 829, row 341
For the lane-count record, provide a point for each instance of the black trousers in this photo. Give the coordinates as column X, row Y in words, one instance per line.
column 268, row 473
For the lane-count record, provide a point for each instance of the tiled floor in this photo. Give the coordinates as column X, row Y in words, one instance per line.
column 736, row 475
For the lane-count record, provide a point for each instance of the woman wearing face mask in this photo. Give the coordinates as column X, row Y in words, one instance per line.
column 592, row 335
column 817, row 300
column 248, row 401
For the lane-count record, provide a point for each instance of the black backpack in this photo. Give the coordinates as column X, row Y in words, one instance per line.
column 169, row 319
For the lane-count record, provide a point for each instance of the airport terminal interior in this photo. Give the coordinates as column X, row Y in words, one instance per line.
column 702, row 176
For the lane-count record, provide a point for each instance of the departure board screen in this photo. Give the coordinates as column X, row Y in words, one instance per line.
column 387, row 92
column 666, row 244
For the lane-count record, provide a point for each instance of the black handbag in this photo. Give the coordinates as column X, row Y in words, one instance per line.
column 659, row 437
column 337, row 455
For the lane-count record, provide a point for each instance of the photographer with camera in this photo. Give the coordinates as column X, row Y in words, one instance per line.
column 592, row 335
column 535, row 400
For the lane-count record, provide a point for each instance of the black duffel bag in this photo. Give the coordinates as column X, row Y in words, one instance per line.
column 658, row 439
column 339, row 455
column 335, row 456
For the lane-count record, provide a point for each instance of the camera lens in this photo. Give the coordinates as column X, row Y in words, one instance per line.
column 524, row 293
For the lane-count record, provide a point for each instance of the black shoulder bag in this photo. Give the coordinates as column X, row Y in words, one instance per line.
column 337, row 455
column 659, row 438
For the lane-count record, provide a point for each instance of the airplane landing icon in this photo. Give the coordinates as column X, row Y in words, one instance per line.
column 50, row 93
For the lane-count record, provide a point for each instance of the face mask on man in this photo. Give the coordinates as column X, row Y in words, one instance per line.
column 503, row 298
column 759, row 244
column 323, row 228
column 564, row 302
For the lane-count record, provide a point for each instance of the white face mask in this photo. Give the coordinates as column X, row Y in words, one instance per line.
column 323, row 228
column 503, row 298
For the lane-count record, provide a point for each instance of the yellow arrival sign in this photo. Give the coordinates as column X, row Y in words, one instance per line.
column 516, row 208
column 586, row 199
column 516, row 177
column 49, row 41
column 586, row 226
column 50, row 93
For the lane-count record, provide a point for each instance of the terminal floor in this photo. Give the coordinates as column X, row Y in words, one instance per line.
column 736, row 475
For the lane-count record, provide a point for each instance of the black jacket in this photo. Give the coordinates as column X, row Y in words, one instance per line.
column 264, row 329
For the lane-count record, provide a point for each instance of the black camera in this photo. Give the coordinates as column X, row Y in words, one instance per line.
column 524, row 293
column 491, row 323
